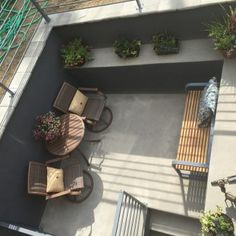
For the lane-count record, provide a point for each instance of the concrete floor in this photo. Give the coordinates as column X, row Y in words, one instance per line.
column 135, row 155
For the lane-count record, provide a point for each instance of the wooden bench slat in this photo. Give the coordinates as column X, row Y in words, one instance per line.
column 193, row 129
column 187, row 122
column 193, row 143
column 188, row 127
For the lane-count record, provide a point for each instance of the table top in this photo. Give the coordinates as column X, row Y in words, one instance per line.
column 72, row 129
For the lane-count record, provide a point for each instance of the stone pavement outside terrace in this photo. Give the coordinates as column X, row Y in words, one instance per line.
column 135, row 155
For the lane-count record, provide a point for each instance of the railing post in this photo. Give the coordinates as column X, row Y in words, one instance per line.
column 128, row 218
column 42, row 12
column 7, row 89
column 139, row 5
column 117, row 215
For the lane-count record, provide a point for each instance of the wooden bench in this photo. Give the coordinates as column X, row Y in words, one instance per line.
column 194, row 143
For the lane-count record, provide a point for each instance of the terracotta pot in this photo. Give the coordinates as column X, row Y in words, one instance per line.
column 232, row 23
column 229, row 54
column 167, row 50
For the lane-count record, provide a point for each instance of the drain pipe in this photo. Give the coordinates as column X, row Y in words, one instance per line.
column 42, row 12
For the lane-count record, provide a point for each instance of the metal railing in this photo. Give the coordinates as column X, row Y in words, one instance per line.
column 21, row 230
column 16, row 21
column 19, row 20
column 130, row 217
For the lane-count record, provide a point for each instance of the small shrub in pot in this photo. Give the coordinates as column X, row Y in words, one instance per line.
column 127, row 48
column 216, row 223
column 165, row 43
column 75, row 53
column 223, row 34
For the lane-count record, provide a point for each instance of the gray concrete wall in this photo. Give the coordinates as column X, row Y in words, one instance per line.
column 147, row 78
column 186, row 24
column 18, row 147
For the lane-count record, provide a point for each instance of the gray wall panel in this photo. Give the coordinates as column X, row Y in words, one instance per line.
column 17, row 146
column 147, row 78
column 187, row 24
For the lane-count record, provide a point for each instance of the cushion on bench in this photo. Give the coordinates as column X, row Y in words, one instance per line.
column 207, row 105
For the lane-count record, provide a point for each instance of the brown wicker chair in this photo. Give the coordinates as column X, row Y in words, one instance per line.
column 97, row 116
column 73, row 181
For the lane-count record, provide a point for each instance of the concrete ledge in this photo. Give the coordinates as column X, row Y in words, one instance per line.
column 190, row 51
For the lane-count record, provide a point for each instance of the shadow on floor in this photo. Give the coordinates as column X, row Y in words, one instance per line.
column 64, row 217
column 194, row 198
column 135, row 155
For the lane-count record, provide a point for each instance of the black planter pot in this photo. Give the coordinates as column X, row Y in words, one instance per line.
column 163, row 50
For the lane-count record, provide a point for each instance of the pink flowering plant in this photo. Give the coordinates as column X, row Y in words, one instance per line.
column 48, row 127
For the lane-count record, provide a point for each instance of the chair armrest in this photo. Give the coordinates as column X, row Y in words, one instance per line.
column 95, row 90
column 57, row 159
column 195, row 86
column 75, row 193
column 55, row 195
column 88, row 89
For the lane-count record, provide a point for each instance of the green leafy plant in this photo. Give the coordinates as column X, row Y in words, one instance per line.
column 216, row 222
column 223, row 33
column 165, row 43
column 127, row 48
column 75, row 53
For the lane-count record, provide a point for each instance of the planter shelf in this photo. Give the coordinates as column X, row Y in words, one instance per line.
column 191, row 51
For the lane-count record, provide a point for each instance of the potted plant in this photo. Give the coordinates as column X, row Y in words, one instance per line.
column 48, row 127
column 165, row 43
column 216, row 223
column 75, row 54
column 223, row 34
column 127, row 48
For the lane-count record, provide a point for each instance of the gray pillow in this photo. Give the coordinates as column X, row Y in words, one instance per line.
column 207, row 105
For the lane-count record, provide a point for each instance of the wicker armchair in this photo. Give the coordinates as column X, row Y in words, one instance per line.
column 96, row 115
column 73, row 181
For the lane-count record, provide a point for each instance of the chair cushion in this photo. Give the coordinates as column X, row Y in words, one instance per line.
column 54, row 180
column 207, row 105
column 78, row 103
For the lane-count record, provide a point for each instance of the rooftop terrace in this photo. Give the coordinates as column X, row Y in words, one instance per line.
column 135, row 155
column 136, row 152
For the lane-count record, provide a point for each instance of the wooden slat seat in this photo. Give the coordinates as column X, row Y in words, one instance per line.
column 192, row 155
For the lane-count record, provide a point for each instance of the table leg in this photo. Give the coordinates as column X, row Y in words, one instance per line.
column 92, row 140
column 83, row 155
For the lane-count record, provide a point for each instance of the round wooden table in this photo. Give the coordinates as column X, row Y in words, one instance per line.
column 72, row 129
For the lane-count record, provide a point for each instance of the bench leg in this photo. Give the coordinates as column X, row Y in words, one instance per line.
column 178, row 171
column 191, row 175
column 182, row 175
